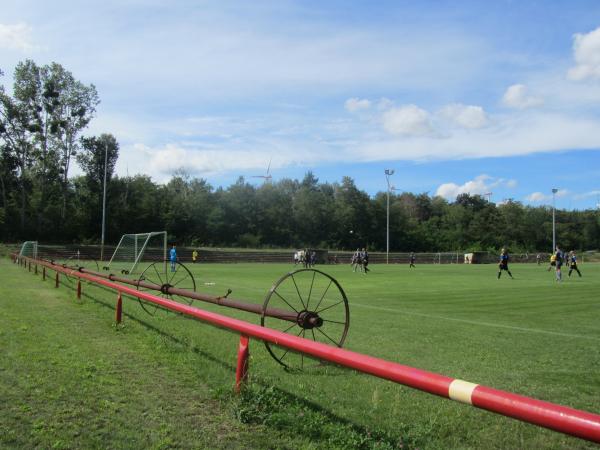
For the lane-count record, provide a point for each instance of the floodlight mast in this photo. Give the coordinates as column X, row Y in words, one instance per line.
column 388, row 174
column 104, row 201
column 554, row 191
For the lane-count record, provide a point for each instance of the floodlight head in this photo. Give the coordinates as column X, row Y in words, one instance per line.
column 554, row 190
column 389, row 171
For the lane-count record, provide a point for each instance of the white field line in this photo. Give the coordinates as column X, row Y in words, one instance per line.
column 475, row 322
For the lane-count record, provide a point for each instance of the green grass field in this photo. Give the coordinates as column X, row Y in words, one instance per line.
column 70, row 379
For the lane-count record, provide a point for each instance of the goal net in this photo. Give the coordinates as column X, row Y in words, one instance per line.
column 29, row 249
column 135, row 248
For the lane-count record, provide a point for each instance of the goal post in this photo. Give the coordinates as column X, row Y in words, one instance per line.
column 135, row 247
column 29, row 249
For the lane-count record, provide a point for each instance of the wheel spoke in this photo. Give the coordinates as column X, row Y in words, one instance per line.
column 298, row 291
column 324, row 294
column 286, row 302
column 177, row 266
column 289, row 328
column 334, row 321
column 159, row 277
column 325, row 334
column 329, row 307
column 312, row 282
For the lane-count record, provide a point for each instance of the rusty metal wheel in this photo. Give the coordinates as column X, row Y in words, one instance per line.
column 321, row 308
column 76, row 262
column 161, row 275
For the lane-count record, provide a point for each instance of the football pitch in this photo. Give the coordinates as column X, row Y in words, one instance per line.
column 531, row 335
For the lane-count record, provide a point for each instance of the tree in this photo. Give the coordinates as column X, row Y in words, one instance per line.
column 74, row 108
column 94, row 152
column 18, row 154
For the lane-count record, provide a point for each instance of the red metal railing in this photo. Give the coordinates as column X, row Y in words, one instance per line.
column 566, row 420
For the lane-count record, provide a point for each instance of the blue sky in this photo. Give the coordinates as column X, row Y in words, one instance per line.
column 455, row 96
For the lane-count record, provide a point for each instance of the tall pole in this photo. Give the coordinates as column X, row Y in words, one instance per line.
column 554, row 191
column 388, row 174
column 104, row 202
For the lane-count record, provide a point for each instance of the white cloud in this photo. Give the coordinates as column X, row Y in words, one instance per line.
column 586, row 49
column 161, row 162
column 481, row 185
column 355, row 104
column 466, row 116
column 16, row 37
column 517, row 96
column 384, row 103
column 538, row 197
column 407, row 120
column 587, row 195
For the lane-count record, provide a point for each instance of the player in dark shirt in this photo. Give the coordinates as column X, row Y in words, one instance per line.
column 573, row 263
column 412, row 260
column 559, row 259
column 503, row 264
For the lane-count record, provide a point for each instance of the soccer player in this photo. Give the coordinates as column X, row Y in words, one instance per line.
column 356, row 261
column 538, row 258
column 503, row 264
column 552, row 261
column 194, row 256
column 412, row 260
column 364, row 256
column 173, row 257
column 558, row 260
column 573, row 263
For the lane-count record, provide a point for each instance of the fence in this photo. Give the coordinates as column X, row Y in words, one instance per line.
column 217, row 255
column 566, row 420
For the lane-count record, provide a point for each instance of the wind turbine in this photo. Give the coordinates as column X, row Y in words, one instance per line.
column 267, row 178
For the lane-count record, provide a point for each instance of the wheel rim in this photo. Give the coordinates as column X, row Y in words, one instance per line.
column 322, row 311
column 180, row 278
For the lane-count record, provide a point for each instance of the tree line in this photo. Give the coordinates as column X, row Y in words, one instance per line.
column 41, row 126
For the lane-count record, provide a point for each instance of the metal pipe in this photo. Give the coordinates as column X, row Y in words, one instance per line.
column 169, row 290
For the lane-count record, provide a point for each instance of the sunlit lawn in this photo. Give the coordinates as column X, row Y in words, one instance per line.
column 530, row 335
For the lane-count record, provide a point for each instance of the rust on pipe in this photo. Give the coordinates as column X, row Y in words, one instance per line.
column 222, row 301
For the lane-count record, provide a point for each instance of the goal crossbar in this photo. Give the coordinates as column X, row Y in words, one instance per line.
column 139, row 244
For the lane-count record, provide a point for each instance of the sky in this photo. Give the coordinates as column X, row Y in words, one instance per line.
column 498, row 98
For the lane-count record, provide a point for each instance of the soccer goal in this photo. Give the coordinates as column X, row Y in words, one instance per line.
column 135, row 248
column 29, row 249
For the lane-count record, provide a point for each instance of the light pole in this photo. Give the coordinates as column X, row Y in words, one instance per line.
column 554, row 191
column 388, row 174
column 104, row 201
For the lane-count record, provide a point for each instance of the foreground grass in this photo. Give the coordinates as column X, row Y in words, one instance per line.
column 72, row 380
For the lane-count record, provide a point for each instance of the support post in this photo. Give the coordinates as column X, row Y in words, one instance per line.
column 79, row 289
column 241, row 373
column 29, row 267
column 56, row 281
column 44, row 274
column 119, row 308
column 35, row 269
